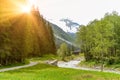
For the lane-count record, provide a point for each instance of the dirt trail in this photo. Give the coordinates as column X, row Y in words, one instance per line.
column 19, row 67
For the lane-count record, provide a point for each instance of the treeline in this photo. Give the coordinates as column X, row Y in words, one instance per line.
column 100, row 39
column 23, row 35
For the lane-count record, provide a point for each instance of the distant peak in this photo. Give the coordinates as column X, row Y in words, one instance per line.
column 69, row 23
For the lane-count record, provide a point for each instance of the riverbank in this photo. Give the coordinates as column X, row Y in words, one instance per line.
column 74, row 64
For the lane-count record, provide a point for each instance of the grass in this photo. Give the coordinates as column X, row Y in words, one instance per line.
column 92, row 64
column 89, row 64
column 44, row 57
column 53, row 57
column 47, row 72
column 113, row 66
column 15, row 64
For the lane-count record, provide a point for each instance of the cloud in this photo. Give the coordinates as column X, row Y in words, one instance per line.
column 81, row 11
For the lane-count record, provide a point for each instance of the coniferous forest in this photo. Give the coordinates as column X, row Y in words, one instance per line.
column 23, row 35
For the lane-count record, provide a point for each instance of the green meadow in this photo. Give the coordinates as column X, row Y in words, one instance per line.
column 48, row 72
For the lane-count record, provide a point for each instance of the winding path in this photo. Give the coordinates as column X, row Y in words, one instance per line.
column 19, row 67
column 74, row 63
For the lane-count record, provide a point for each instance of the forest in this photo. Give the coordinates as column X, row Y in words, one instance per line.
column 99, row 40
column 23, row 35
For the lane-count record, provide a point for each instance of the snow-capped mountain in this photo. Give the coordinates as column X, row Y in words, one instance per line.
column 66, row 24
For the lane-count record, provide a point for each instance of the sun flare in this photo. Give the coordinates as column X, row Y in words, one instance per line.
column 26, row 9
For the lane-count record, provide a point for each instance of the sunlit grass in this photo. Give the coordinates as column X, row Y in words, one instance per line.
column 47, row 72
column 45, row 57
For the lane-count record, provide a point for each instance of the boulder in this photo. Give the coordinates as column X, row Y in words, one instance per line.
column 54, row 62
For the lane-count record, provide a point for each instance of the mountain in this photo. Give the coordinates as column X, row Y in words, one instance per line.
column 66, row 24
column 62, row 36
column 61, row 33
column 70, row 24
column 72, row 34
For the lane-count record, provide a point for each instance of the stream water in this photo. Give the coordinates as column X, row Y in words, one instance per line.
column 74, row 63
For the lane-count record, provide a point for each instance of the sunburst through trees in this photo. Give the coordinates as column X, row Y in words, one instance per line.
column 23, row 32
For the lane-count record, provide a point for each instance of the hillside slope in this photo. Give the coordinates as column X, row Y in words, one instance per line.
column 61, row 36
column 59, row 32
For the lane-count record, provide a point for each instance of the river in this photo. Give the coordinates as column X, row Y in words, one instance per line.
column 74, row 64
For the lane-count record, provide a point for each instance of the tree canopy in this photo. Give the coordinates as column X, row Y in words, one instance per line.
column 100, row 39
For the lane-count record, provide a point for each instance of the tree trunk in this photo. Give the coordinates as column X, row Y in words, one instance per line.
column 102, row 62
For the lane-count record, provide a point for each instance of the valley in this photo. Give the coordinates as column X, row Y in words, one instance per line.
column 59, row 40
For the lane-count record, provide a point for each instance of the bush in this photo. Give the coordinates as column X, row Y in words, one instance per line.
column 113, row 60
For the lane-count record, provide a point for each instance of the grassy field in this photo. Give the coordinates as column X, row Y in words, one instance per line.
column 92, row 64
column 47, row 72
column 14, row 65
column 45, row 57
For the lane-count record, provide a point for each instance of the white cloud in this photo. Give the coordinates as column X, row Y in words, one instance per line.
column 81, row 11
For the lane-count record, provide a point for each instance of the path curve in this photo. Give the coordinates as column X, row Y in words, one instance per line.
column 74, row 63
column 19, row 67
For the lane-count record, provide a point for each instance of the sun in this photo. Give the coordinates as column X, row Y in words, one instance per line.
column 26, row 9
column 26, row 6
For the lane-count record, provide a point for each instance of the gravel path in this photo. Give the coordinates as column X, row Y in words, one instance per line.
column 19, row 67
column 74, row 63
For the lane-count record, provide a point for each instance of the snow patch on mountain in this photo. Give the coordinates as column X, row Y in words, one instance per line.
column 67, row 26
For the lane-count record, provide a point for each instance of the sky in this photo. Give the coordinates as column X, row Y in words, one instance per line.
column 81, row 11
